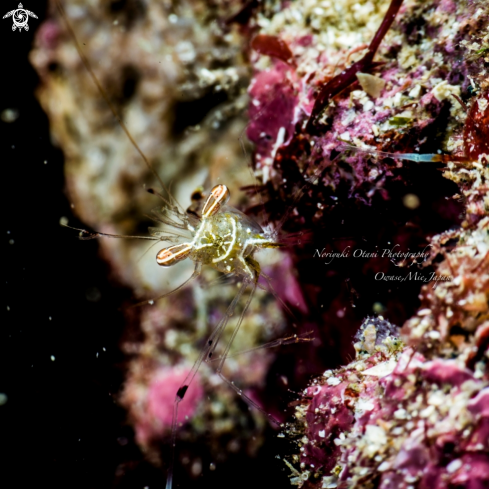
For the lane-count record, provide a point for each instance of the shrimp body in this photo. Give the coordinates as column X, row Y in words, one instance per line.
column 222, row 237
column 227, row 241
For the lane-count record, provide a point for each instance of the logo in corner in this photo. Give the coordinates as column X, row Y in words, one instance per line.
column 20, row 17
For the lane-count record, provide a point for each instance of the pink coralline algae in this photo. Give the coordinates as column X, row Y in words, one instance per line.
column 400, row 96
column 424, row 90
column 153, row 407
column 393, row 419
column 411, row 410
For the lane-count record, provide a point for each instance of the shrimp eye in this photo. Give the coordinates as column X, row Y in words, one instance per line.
column 197, row 195
column 219, row 196
column 173, row 254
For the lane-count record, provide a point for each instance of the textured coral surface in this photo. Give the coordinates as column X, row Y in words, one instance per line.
column 180, row 76
column 396, row 416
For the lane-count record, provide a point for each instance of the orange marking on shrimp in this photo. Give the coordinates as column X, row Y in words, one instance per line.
column 169, row 256
column 219, row 197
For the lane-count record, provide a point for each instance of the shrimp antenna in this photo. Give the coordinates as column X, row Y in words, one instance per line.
column 85, row 235
column 152, row 191
column 418, row 158
column 288, row 340
column 146, row 252
column 88, row 67
column 204, row 356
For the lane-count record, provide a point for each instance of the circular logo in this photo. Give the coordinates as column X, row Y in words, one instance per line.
column 20, row 18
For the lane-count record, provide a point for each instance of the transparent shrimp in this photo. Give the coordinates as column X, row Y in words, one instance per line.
column 226, row 239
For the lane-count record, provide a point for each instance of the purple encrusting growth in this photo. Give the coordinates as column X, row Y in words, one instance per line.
column 347, row 77
column 393, row 419
column 411, row 409
column 402, row 106
column 405, row 103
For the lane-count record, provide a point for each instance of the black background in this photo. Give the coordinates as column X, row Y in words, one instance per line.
column 61, row 424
